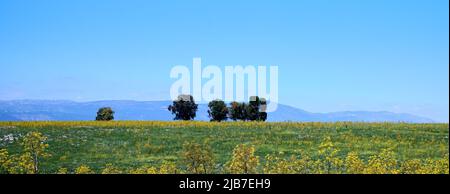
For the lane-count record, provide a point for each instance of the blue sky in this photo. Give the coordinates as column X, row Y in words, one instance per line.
column 332, row 55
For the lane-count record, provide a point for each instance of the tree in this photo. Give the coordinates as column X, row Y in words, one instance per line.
column 262, row 116
column 34, row 148
column 105, row 114
column 199, row 159
column 184, row 108
column 243, row 160
column 262, row 109
column 217, row 110
column 256, row 110
column 237, row 111
column 252, row 110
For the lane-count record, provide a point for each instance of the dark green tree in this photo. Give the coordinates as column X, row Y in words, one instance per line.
column 237, row 111
column 184, row 108
column 217, row 110
column 105, row 114
column 245, row 111
column 252, row 110
column 255, row 110
column 262, row 110
column 262, row 116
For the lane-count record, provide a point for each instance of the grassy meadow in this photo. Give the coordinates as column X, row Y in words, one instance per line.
column 132, row 144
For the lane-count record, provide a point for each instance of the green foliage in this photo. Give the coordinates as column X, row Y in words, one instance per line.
column 218, row 110
column 252, row 108
column 144, row 170
column 290, row 165
column 5, row 161
column 105, row 114
column 62, row 171
column 253, row 111
column 256, row 109
column 22, row 164
column 165, row 168
column 328, row 153
column 111, row 169
column 168, row 168
column 34, row 148
column 262, row 110
column 383, row 163
column 83, row 169
column 15, row 164
column 262, row 116
column 237, row 111
column 198, row 159
column 154, row 147
column 353, row 164
column 243, row 160
column 184, row 108
column 279, row 165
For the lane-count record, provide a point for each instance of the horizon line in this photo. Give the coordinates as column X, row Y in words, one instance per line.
column 342, row 111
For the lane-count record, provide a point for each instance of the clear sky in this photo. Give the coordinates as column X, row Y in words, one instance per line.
column 332, row 55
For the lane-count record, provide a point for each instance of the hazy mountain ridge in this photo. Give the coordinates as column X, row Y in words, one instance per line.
column 34, row 110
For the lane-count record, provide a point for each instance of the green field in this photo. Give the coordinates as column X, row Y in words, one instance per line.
column 131, row 144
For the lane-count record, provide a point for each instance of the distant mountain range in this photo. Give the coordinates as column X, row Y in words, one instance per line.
column 38, row 110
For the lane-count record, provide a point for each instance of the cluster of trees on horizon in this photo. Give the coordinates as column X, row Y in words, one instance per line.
column 185, row 108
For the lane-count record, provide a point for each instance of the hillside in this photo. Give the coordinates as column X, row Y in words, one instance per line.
column 132, row 144
column 35, row 110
